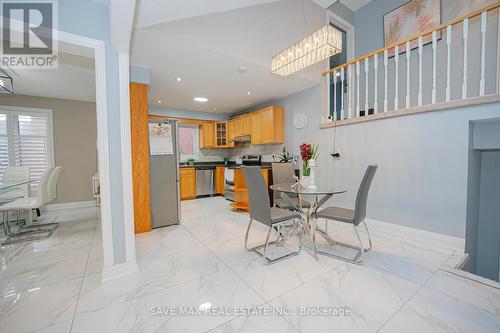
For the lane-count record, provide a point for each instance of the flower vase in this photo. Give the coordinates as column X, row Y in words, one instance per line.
column 312, row 177
column 304, row 180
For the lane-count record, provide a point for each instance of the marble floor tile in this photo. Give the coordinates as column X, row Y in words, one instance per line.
column 270, row 281
column 409, row 258
column 38, row 308
column 19, row 277
column 431, row 311
column 154, row 275
column 253, row 324
column 472, row 292
column 371, row 295
column 64, row 327
column 165, row 242
column 221, row 289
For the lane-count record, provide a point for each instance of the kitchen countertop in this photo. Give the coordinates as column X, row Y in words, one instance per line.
column 231, row 165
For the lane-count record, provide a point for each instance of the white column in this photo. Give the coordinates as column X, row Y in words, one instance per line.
column 334, row 95
column 484, row 24
column 367, row 68
column 357, row 90
column 420, row 49
column 349, row 92
column 396, row 80
column 342, row 111
column 408, row 55
column 448, row 63
column 466, row 37
column 434, row 50
column 385, row 81
column 375, row 67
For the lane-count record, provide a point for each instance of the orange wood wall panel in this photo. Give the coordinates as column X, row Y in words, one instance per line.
column 140, row 156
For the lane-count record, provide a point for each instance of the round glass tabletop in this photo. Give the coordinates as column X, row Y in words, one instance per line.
column 320, row 190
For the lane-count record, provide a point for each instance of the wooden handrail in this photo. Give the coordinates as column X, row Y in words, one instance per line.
column 414, row 37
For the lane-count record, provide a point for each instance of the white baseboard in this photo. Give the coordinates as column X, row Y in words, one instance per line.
column 69, row 205
column 117, row 271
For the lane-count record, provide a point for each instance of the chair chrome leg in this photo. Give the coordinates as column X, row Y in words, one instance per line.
column 275, row 243
column 357, row 259
column 361, row 248
column 246, row 235
column 22, row 236
column 267, row 242
column 369, row 236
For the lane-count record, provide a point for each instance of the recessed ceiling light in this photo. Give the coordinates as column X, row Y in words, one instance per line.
column 249, row 92
column 242, row 69
column 159, row 101
column 215, row 109
column 200, row 99
column 178, row 79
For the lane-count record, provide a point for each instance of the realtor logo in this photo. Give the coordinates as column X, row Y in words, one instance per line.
column 28, row 34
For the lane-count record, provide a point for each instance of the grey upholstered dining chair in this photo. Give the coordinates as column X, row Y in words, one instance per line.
column 284, row 173
column 260, row 211
column 354, row 216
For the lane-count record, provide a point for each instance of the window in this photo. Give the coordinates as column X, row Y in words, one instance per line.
column 188, row 141
column 26, row 140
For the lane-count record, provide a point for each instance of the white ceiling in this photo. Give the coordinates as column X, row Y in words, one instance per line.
column 205, row 42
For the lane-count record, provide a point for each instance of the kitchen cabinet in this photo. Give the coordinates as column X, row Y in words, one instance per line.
column 207, row 134
column 246, row 124
column 221, row 134
column 219, row 179
column 188, row 183
column 268, row 125
column 230, row 133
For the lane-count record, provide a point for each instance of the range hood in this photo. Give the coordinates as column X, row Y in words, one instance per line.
column 242, row 139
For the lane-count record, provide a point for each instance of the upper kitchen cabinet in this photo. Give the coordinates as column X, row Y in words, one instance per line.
column 242, row 125
column 221, row 134
column 267, row 125
column 207, row 135
column 230, row 133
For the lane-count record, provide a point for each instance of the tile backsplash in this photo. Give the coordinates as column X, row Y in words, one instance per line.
column 218, row 154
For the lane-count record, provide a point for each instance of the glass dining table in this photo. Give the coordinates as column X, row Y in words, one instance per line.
column 5, row 187
column 316, row 197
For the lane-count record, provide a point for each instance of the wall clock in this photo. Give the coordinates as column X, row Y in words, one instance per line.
column 299, row 120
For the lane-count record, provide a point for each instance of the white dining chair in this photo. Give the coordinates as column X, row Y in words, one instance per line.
column 52, row 187
column 14, row 174
column 28, row 204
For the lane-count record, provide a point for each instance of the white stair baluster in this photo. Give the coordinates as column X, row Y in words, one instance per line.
column 448, row 63
column 375, row 67
column 396, row 80
column 342, row 114
column 420, row 49
column 366, row 85
column 334, row 95
column 434, row 50
column 349, row 91
column 386, row 104
column 465, row 36
column 357, row 90
column 408, row 55
column 484, row 22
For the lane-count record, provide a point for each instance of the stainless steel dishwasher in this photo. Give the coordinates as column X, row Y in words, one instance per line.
column 205, row 184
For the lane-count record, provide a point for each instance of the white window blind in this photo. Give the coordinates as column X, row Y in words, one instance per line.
column 26, row 140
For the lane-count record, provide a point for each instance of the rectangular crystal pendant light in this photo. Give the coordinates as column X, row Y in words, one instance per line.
column 318, row 46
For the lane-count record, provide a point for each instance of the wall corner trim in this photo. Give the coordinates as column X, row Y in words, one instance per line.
column 119, row 270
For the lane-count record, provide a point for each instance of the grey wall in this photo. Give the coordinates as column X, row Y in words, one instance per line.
column 422, row 177
column 75, row 135
column 482, row 239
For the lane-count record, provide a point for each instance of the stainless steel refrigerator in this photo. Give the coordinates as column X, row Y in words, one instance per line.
column 164, row 173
